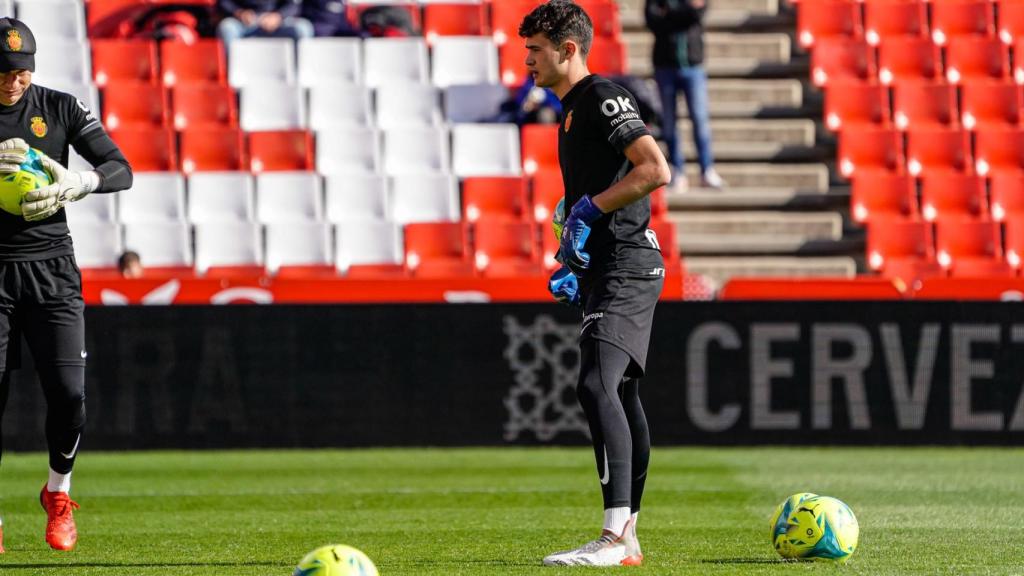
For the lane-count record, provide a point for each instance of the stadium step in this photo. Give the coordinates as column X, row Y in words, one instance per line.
column 757, row 140
column 755, row 232
column 720, row 268
column 721, row 14
column 751, row 175
column 728, row 55
column 756, row 198
column 743, row 98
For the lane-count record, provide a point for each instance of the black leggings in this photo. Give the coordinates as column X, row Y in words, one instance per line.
column 618, row 426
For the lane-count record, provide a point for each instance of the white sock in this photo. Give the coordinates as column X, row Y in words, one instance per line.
column 59, row 482
column 615, row 519
column 634, row 516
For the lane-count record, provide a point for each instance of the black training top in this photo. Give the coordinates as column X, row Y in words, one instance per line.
column 600, row 121
column 49, row 121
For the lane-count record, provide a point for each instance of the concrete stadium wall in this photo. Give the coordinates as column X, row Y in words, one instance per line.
column 719, row 373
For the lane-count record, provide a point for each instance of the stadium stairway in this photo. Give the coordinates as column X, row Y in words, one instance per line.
column 784, row 212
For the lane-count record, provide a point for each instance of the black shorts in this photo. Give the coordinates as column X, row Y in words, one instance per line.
column 618, row 308
column 42, row 299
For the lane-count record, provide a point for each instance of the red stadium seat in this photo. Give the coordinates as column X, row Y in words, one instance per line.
column 973, row 58
column 952, row 194
column 437, row 249
column 959, row 241
column 1011, row 21
column 1006, row 189
column 512, row 63
column 454, row 20
column 1018, row 61
column 999, row 149
column 961, row 18
column 668, row 240
column 106, row 17
column 908, row 58
column 990, row 103
column 212, row 149
column 924, row 104
column 281, row 150
column 890, row 239
column 203, row 104
column 539, row 147
column 607, row 57
column 909, row 273
column 605, row 16
column 659, row 203
column 506, row 16
column 506, row 248
column 496, row 197
column 1015, row 241
column 147, row 149
column 870, row 148
column 123, row 60
column 130, row 103
column 203, row 61
column 838, row 59
column 885, row 19
column 547, row 189
column 878, row 194
column 938, row 149
column 827, row 19
column 854, row 103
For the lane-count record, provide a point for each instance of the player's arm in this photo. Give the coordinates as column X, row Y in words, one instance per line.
column 98, row 149
column 650, row 172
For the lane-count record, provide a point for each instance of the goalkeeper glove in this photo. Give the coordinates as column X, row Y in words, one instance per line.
column 564, row 286
column 575, row 234
column 67, row 186
column 12, row 153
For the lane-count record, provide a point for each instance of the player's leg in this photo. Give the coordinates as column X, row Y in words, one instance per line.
column 55, row 332
column 667, row 80
column 641, row 436
column 602, row 367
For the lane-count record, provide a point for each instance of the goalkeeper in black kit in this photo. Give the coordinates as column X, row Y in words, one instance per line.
column 40, row 284
column 612, row 268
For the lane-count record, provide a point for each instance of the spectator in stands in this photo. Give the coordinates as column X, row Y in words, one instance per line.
column 262, row 19
column 531, row 105
column 678, row 66
column 130, row 264
column 329, row 17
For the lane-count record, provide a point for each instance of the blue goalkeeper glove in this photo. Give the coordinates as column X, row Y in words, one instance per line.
column 564, row 286
column 575, row 234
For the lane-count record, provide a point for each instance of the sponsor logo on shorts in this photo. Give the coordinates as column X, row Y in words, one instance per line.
column 590, row 319
column 657, row 272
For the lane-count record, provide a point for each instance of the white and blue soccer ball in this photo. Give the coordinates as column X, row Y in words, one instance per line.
column 811, row 527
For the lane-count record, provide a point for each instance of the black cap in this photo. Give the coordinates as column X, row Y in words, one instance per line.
column 17, row 46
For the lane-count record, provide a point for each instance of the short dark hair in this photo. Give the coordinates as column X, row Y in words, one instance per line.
column 126, row 258
column 560, row 20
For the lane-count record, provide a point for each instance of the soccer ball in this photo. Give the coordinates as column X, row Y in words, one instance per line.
column 13, row 186
column 335, row 560
column 808, row 526
column 558, row 219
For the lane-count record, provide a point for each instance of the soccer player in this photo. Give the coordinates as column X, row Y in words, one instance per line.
column 40, row 284
column 612, row 263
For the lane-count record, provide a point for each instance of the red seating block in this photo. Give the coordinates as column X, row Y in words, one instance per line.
column 962, row 240
column 281, row 150
column 454, row 20
column 1006, row 190
column 548, row 189
column 203, row 104
column 884, row 19
column 1015, row 241
column 506, row 248
column 147, row 149
column 1011, row 21
column 203, row 61
column 990, row 104
column 870, row 148
column 952, row 194
column 999, row 149
column 539, row 148
column 852, row 103
column 212, row 149
column 961, row 18
column 437, row 249
column 890, row 239
column 826, row 19
column 878, row 194
column 120, row 60
column 130, row 103
column 607, row 57
column 838, row 58
column 970, row 58
column 938, row 149
column 605, row 16
column 496, row 198
column 908, row 58
column 920, row 104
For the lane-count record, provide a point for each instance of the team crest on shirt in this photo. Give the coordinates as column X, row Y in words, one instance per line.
column 14, row 40
column 568, row 121
column 38, row 126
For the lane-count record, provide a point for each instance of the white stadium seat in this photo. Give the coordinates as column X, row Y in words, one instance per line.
column 289, row 197
column 474, row 102
column 408, row 105
column 395, row 60
column 355, row 196
column 160, row 244
column 348, row 151
column 358, row 242
column 220, row 197
column 339, row 105
column 97, row 244
column 272, row 107
column 228, row 244
column 261, row 62
column 416, row 150
column 154, row 197
column 298, row 244
column 62, row 62
column 330, row 60
column 49, row 19
column 423, row 198
column 485, row 150
column 93, row 208
column 464, row 60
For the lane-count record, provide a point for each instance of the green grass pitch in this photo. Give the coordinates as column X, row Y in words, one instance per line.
column 499, row 511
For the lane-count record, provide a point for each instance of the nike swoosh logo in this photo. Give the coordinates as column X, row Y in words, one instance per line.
column 605, row 478
column 84, row 353
column 71, row 454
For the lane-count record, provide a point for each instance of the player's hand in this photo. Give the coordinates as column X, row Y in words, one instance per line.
column 564, row 286
column 67, row 186
column 575, row 234
column 12, row 153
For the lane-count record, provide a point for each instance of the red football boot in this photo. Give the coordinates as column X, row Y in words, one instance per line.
column 2, row 537
column 61, row 533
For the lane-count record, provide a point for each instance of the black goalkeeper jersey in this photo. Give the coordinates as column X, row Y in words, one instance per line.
column 51, row 121
column 600, row 120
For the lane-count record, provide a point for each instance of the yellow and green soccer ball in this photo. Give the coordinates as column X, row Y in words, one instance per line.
column 335, row 560
column 558, row 219
column 807, row 526
column 14, row 186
